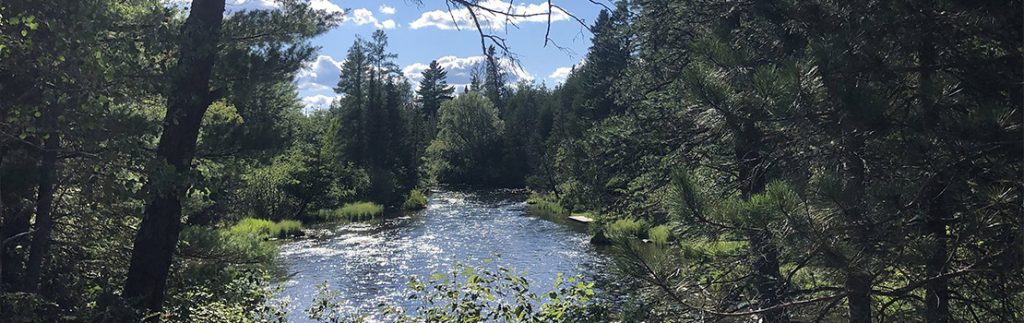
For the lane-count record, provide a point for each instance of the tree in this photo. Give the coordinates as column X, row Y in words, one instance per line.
column 370, row 132
column 494, row 79
column 434, row 89
column 168, row 175
column 465, row 149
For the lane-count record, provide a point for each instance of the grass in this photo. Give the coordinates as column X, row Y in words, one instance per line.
column 266, row 229
column 626, row 228
column 415, row 201
column 359, row 211
column 660, row 235
column 544, row 206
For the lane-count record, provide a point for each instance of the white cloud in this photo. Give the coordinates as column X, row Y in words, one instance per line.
column 462, row 19
column 317, row 102
column 460, row 70
column 325, row 5
column 321, row 74
column 240, row 5
column 233, row 5
column 560, row 74
column 363, row 16
column 387, row 10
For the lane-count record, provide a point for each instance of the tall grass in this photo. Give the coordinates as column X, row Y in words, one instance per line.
column 359, row 211
column 626, row 229
column 415, row 201
column 544, row 206
column 267, row 229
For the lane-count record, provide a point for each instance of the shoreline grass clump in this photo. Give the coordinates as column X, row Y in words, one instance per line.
column 544, row 206
column 415, row 201
column 267, row 229
column 358, row 211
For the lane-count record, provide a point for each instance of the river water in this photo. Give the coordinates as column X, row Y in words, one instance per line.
column 370, row 263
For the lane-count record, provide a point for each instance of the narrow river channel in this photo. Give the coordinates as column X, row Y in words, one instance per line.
column 370, row 263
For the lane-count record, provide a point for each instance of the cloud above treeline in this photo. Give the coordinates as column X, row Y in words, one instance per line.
column 318, row 77
column 359, row 17
column 460, row 70
column 461, row 18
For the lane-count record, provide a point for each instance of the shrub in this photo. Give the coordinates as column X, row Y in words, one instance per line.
column 415, row 201
column 482, row 294
column 359, row 211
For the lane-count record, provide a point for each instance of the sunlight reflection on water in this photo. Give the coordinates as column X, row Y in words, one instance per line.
column 370, row 263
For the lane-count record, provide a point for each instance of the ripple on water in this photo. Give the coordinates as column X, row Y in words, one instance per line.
column 370, row 263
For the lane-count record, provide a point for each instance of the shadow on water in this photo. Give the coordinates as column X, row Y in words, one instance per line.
column 371, row 262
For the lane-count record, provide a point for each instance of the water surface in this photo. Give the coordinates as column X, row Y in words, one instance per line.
column 371, row 263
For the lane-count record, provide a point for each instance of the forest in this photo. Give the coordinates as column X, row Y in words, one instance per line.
column 742, row 161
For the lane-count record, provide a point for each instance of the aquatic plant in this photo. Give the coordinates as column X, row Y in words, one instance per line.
column 359, row 211
column 267, row 229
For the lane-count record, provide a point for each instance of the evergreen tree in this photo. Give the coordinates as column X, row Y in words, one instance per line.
column 494, row 79
column 434, row 89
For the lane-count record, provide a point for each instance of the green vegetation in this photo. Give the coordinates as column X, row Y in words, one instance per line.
column 790, row 160
column 482, row 294
column 359, row 211
column 415, row 201
column 267, row 229
column 543, row 206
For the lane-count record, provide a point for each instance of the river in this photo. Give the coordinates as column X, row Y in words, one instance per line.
column 371, row 262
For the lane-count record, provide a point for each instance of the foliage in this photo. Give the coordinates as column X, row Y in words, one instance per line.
column 466, row 147
column 415, row 201
column 471, row 294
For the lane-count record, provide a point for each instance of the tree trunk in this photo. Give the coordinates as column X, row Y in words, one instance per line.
column 763, row 253
column 187, row 101
column 15, row 227
column 937, row 253
column 44, row 201
column 858, row 280
column 936, row 213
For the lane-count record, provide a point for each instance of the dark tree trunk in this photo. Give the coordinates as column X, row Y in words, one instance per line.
column 937, row 253
column 763, row 253
column 16, row 224
column 858, row 279
column 44, row 201
column 936, row 213
column 187, row 101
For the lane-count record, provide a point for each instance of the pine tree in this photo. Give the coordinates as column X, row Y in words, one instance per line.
column 434, row 89
column 494, row 79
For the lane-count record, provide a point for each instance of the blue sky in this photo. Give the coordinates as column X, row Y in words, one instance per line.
column 421, row 33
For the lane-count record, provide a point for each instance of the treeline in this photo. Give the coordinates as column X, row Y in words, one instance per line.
column 793, row 161
column 771, row 160
column 134, row 137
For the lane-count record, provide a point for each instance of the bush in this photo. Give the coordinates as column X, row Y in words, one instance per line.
column 359, row 211
column 482, row 294
column 267, row 229
column 415, row 201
